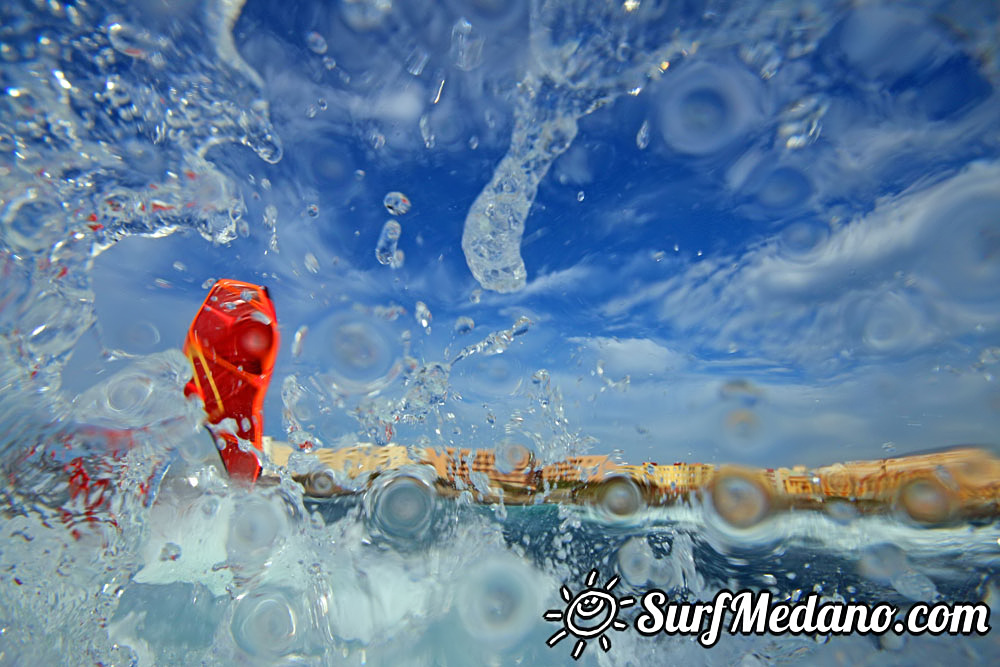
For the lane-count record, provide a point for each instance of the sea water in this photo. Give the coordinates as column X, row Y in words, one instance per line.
column 759, row 233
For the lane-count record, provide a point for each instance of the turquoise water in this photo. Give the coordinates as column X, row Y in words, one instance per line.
column 751, row 233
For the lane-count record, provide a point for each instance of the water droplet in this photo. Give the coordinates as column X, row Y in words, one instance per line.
column 312, row 210
column 271, row 222
column 365, row 15
column 316, row 43
column 210, row 506
column 464, row 325
column 170, row 551
column 137, row 42
column 466, row 45
column 624, row 52
column 426, row 132
column 298, row 339
column 385, row 250
column 396, row 203
column 416, row 61
column 642, row 137
column 423, row 315
column 579, row 195
column 312, row 264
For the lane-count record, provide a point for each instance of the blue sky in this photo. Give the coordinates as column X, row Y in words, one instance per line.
column 800, row 220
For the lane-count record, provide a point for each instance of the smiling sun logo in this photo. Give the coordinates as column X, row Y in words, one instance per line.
column 590, row 613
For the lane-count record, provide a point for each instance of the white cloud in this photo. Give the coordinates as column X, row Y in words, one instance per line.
column 921, row 268
column 632, row 356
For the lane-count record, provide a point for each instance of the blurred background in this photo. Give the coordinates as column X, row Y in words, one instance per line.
column 763, row 233
column 760, row 237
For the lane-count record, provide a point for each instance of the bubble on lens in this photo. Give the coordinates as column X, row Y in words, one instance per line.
column 801, row 241
column 890, row 641
column 783, row 189
column 708, row 107
column 638, row 565
column 498, row 601
column 135, row 337
column 914, row 585
column 618, row 498
column 739, row 499
column 321, row 483
column 256, row 528
column 128, row 392
column 962, row 245
column 841, row 511
column 512, row 457
column 871, row 37
column 889, row 323
column 401, row 507
column 927, row 500
column 266, row 623
column 487, row 377
column 741, row 391
column 882, row 562
column 360, row 353
column 396, row 203
column 139, row 395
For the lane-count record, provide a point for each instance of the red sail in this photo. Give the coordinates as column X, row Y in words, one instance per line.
column 232, row 345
